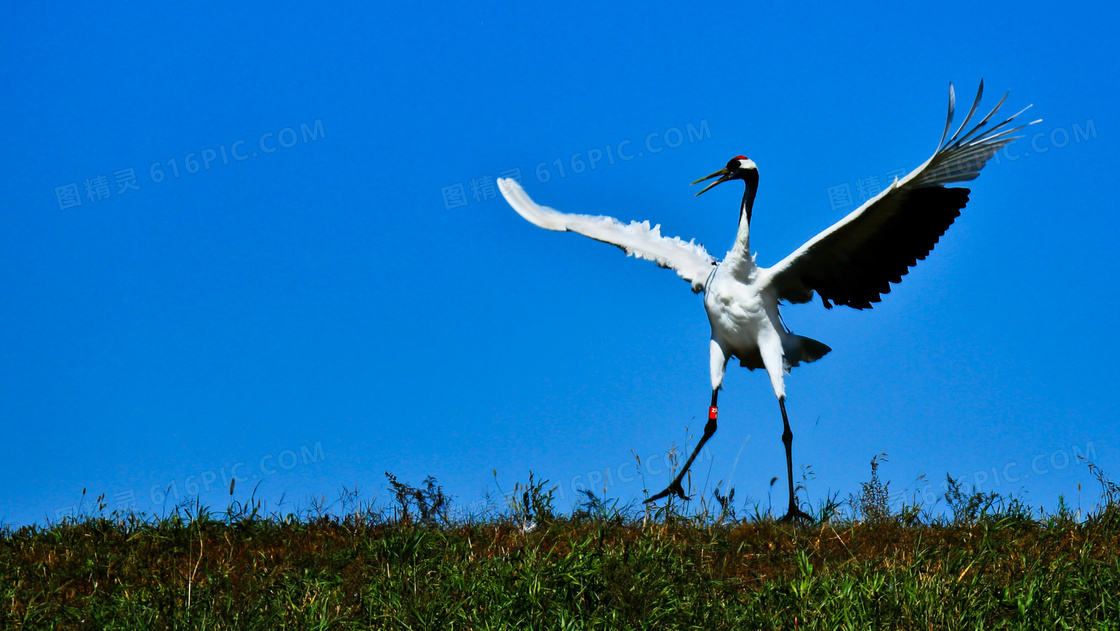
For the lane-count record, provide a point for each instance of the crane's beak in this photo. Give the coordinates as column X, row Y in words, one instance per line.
column 723, row 175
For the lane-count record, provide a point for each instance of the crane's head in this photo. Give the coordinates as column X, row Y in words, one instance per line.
column 738, row 168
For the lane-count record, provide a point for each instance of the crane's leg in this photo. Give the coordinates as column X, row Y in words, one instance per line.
column 709, row 429
column 787, row 437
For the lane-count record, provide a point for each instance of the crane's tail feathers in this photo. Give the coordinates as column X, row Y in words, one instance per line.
column 960, row 158
column 799, row 348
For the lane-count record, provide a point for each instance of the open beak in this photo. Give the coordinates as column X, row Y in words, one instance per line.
column 723, row 175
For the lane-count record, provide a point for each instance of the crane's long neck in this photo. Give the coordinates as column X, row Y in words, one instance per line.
column 740, row 259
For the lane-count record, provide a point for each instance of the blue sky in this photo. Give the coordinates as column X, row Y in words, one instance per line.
column 272, row 274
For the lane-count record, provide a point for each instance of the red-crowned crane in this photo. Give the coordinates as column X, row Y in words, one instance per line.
column 852, row 263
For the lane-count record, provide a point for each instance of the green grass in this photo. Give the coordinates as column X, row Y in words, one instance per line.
column 993, row 564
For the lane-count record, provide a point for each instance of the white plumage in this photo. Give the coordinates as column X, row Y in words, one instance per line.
column 689, row 259
column 851, row 263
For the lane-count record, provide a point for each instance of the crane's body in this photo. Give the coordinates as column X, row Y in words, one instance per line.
column 852, row 263
column 746, row 325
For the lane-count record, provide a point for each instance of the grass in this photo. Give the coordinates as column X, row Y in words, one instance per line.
column 994, row 563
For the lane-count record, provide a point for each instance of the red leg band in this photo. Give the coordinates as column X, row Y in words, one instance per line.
column 712, row 413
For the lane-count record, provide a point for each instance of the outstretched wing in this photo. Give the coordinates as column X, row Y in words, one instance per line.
column 689, row 259
column 853, row 262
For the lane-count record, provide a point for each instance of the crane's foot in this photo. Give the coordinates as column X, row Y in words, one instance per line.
column 674, row 487
column 796, row 514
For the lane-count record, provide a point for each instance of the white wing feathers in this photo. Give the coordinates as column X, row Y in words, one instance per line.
column 854, row 261
column 688, row 259
column 962, row 158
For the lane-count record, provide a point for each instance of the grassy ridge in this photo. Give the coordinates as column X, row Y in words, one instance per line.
column 998, row 566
